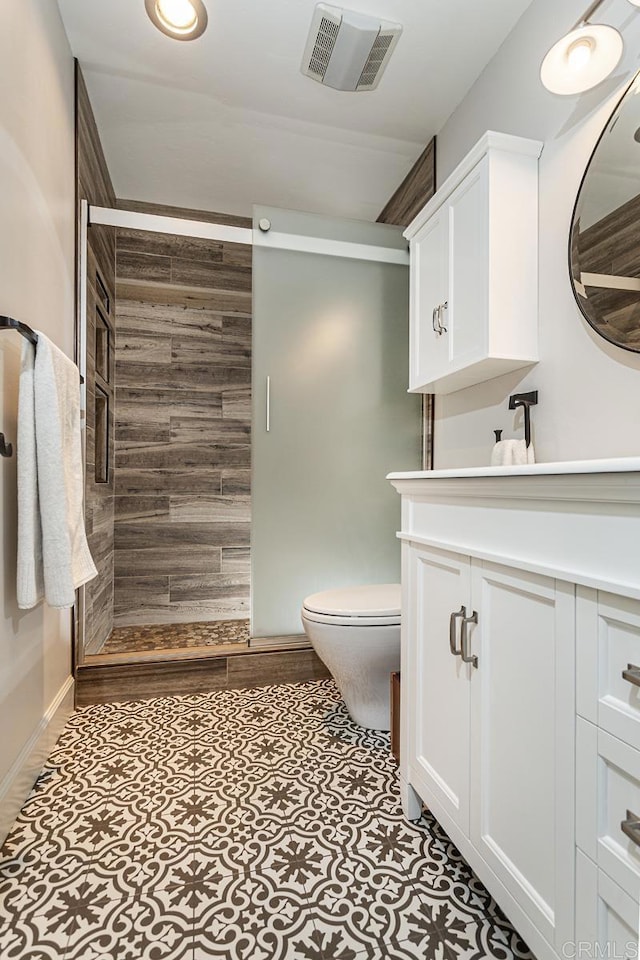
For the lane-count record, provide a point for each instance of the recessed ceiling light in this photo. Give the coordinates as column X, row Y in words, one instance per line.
column 179, row 19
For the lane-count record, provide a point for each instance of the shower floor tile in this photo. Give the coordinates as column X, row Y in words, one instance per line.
column 176, row 636
column 239, row 824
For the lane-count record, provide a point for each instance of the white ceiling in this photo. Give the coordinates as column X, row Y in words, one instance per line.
column 228, row 120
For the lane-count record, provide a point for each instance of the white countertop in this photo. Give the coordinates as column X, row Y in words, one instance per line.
column 553, row 468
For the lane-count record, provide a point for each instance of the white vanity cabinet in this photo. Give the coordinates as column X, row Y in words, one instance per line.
column 489, row 660
column 521, row 613
column 474, row 269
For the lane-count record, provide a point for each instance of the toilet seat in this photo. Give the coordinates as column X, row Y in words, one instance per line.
column 373, row 605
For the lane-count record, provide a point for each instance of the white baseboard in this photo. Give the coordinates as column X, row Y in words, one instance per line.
column 16, row 785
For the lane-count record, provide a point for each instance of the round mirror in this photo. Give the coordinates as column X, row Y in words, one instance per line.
column 604, row 249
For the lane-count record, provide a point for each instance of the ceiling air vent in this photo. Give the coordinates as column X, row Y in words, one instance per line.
column 348, row 50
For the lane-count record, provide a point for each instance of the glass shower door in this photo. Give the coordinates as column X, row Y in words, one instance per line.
column 331, row 412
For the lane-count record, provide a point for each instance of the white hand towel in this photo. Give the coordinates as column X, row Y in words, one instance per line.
column 512, row 453
column 65, row 559
column 30, row 573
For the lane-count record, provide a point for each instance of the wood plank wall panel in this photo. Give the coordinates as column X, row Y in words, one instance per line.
column 186, row 213
column 415, row 190
column 183, row 428
column 94, row 185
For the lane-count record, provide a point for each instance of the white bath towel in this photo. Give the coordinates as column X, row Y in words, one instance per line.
column 512, row 453
column 53, row 554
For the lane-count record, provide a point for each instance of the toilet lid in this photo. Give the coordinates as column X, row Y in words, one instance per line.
column 372, row 600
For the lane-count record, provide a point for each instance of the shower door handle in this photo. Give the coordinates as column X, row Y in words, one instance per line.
column 268, row 420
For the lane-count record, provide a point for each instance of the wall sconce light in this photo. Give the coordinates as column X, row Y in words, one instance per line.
column 178, row 19
column 584, row 57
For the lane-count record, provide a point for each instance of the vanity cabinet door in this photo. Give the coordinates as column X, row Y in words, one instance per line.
column 428, row 347
column 435, row 718
column 522, row 740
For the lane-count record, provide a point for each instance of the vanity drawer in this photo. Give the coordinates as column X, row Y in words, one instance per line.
column 606, row 916
column 608, row 805
column 608, row 653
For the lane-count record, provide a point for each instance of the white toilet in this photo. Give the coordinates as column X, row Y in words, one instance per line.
column 356, row 633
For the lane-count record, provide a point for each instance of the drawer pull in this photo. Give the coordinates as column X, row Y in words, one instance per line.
column 464, row 635
column 632, row 674
column 455, row 650
column 631, row 827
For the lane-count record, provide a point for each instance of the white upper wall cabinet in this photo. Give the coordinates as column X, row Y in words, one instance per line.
column 474, row 269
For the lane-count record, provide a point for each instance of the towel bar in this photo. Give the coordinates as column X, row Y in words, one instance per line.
column 8, row 323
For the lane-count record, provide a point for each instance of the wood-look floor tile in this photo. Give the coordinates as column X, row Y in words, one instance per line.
column 210, row 275
column 207, row 588
column 130, row 434
column 184, row 455
column 187, row 429
column 236, row 483
column 158, row 561
column 102, row 510
column 178, row 376
column 140, row 403
column 236, row 404
column 169, row 245
column 237, row 329
column 134, row 316
column 187, row 297
column 140, row 592
column 138, row 536
column 186, row 349
column 209, row 509
column 138, row 266
column 185, row 213
column 143, row 347
column 266, row 668
column 237, row 254
column 222, row 609
column 236, row 560
column 141, row 508
column 172, row 480
column 141, row 681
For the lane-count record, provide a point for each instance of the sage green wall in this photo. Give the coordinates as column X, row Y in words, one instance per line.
column 332, row 334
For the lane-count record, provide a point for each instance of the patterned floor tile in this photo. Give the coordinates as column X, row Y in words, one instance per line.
column 34, row 937
column 253, row 916
column 238, row 824
column 148, row 855
column 50, row 873
column 155, row 926
column 490, row 937
column 252, row 844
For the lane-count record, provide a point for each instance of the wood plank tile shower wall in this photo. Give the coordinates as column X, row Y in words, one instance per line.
column 183, row 429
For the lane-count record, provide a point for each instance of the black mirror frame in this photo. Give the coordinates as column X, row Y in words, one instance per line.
column 576, row 295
